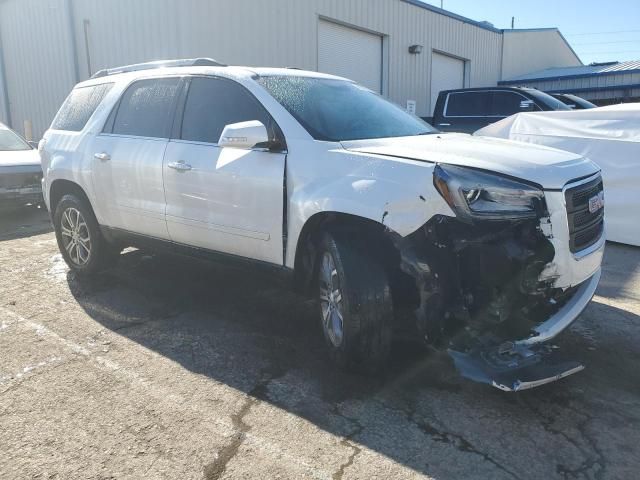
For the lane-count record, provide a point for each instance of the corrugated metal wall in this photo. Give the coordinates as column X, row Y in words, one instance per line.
column 530, row 50
column 600, row 89
column 39, row 45
column 38, row 60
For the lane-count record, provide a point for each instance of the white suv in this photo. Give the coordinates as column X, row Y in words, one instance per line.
column 485, row 247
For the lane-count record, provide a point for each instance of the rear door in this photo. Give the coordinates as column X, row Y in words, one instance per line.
column 223, row 199
column 127, row 157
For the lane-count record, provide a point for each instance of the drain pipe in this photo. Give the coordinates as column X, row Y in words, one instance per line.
column 4, row 88
column 68, row 4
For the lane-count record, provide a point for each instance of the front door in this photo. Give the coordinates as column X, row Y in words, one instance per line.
column 127, row 158
column 223, row 199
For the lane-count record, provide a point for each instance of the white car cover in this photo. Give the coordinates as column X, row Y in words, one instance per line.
column 610, row 136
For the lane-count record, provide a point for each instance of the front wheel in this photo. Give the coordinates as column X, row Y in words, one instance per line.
column 356, row 310
column 80, row 240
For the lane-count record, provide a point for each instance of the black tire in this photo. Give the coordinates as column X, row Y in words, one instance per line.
column 101, row 254
column 365, row 305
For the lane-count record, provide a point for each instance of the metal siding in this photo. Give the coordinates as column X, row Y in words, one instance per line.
column 598, row 82
column 128, row 32
column 241, row 32
column 38, row 60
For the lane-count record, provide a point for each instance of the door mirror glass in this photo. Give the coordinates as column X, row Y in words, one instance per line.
column 244, row 135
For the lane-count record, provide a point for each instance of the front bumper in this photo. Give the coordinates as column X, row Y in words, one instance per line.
column 20, row 185
column 566, row 315
column 528, row 363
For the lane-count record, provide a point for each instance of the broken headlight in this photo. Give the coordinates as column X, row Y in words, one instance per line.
column 478, row 195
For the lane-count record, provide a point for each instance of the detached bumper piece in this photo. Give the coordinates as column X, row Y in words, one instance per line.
column 513, row 367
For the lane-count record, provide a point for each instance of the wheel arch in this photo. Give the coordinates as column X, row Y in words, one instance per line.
column 61, row 187
column 378, row 239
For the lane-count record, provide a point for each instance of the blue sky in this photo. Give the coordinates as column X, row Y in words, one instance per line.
column 598, row 31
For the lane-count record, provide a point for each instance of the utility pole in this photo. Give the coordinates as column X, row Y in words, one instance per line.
column 513, row 20
column 441, row 4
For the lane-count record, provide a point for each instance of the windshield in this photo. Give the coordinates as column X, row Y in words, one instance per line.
column 548, row 100
column 574, row 101
column 11, row 141
column 338, row 110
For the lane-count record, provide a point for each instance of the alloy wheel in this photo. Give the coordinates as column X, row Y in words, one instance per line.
column 331, row 300
column 76, row 238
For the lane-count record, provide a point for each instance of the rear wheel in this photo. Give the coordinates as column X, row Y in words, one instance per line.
column 80, row 240
column 355, row 304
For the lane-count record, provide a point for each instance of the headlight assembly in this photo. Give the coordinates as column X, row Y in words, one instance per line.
column 476, row 195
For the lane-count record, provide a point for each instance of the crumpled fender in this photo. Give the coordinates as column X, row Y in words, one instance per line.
column 403, row 204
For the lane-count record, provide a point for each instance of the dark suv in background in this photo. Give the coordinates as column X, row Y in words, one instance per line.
column 469, row 109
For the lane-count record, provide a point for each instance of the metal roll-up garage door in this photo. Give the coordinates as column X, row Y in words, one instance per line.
column 446, row 73
column 350, row 53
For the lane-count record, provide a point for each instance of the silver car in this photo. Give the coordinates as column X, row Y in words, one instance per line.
column 20, row 170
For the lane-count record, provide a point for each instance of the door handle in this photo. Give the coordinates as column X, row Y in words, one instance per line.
column 102, row 156
column 180, row 166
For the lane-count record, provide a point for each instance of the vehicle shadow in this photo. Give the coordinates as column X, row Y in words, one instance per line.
column 21, row 222
column 622, row 264
column 236, row 326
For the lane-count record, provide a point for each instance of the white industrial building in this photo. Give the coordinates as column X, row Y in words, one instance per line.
column 405, row 49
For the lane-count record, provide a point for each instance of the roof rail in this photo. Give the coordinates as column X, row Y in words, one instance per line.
column 185, row 62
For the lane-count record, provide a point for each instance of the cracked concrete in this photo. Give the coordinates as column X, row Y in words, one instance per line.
column 165, row 367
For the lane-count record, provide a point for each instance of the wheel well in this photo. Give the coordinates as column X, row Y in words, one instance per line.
column 60, row 188
column 378, row 242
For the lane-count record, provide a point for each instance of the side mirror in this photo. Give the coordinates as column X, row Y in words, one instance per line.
column 33, row 144
column 244, row 135
column 527, row 106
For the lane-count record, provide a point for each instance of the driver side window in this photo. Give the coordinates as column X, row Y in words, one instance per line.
column 213, row 103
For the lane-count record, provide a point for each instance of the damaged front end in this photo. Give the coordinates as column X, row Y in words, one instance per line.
column 488, row 284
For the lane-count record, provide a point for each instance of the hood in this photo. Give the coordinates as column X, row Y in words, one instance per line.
column 19, row 158
column 548, row 167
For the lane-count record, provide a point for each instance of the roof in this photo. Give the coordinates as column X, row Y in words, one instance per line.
column 232, row 71
column 577, row 72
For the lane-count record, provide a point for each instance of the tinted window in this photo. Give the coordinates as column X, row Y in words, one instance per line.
column 214, row 103
column 10, row 141
column 337, row 110
column 146, row 108
column 506, row 103
column 79, row 106
column 468, row 104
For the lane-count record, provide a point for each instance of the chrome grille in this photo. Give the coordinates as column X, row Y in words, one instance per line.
column 585, row 227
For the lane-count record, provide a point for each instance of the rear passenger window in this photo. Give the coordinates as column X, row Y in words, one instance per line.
column 506, row 103
column 468, row 104
column 213, row 103
column 146, row 108
column 79, row 106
